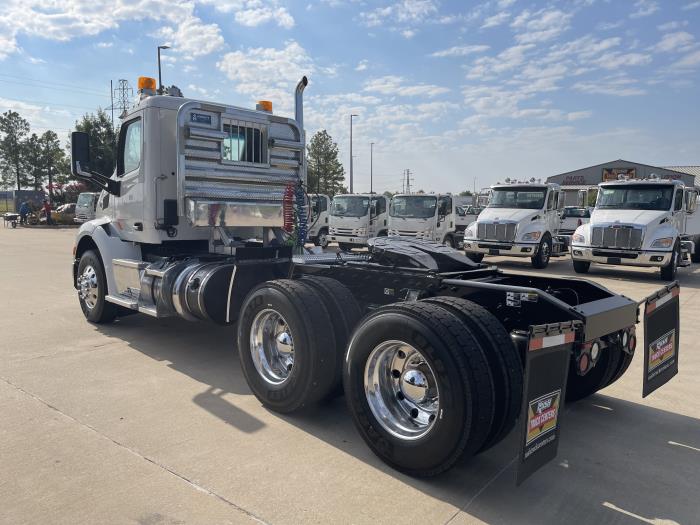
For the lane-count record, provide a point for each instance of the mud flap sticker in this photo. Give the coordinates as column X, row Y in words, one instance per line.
column 546, row 371
column 661, row 338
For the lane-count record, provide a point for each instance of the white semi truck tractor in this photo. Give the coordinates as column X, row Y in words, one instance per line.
column 356, row 218
column 441, row 218
column 522, row 219
column 649, row 222
column 319, row 220
column 205, row 219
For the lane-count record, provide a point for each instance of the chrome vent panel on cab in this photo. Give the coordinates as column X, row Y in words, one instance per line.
column 624, row 237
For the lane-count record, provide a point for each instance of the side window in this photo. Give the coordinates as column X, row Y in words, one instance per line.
column 129, row 152
column 678, row 203
column 381, row 205
column 552, row 200
column 244, row 142
column 445, row 206
column 322, row 204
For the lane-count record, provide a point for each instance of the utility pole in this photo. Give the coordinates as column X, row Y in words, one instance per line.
column 351, row 117
column 160, row 81
column 371, row 155
column 48, row 170
column 408, row 181
column 123, row 93
column 111, row 100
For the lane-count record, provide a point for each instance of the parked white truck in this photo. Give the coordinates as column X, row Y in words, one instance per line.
column 85, row 207
column 318, row 221
column 441, row 218
column 357, row 217
column 205, row 219
column 521, row 220
column 649, row 222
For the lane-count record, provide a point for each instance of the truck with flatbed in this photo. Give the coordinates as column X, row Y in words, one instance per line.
column 436, row 217
column 355, row 218
column 641, row 222
column 205, row 219
column 522, row 219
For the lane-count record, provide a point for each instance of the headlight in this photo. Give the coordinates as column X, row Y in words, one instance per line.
column 664, row 242
column 577, row 237
column 469, row 234
column 532, row 236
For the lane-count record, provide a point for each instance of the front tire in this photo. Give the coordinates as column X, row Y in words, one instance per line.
column 450, row 241
column 669, row 272
column 345, row 246
column 92, row 289
column 286, row 344
column 581, row 266
column 544, row 251
column 322, row 239
column 418, row 387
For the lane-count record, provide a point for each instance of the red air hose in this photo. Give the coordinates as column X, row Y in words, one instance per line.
column 288, row 208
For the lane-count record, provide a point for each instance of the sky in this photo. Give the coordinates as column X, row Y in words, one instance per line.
column 463, row 94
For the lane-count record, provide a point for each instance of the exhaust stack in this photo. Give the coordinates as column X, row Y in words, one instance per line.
column 299, row 102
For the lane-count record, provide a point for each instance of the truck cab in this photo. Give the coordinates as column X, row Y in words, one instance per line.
column 441, row 218
column 318, row 221
column 521, row 220
column 85, row 207
column 356, row 217
column 650, row 222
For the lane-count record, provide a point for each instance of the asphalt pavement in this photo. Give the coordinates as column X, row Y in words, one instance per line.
column 150, row 421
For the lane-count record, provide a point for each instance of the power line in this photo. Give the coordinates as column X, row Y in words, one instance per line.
column 122, row 94
column 43, row 83
column 46, row 103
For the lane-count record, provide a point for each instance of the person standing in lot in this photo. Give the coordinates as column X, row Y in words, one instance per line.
column 24, row 210
column 47, row 211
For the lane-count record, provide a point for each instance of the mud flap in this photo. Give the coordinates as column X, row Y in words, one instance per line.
column 661, row 337
column 546, row 371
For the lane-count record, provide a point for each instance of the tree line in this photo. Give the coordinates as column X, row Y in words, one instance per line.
column 36, row 161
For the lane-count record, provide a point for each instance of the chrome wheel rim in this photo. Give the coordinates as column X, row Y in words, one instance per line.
column 545, row 251
column 272, row 347
column 323, row 240
column 87, row 287
column 401, row 390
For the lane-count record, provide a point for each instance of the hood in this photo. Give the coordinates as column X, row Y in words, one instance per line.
column 637, row 217
column 506, row 214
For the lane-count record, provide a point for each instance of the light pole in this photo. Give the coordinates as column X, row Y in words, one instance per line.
column 351, row 117
column 160, row 81
column 371, row 159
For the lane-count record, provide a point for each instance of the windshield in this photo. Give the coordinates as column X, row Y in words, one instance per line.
column 526, row 198
column 413, row 207
column 635, row 197
column 84, row 199
column 350, row 206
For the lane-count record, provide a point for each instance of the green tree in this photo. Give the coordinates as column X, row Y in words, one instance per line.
column 102, row 141
column 388, row 194
column 13, row 130
column 325, row 172
column 466, row 193
column 46, row 160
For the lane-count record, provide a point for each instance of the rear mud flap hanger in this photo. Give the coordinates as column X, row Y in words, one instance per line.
column 547, row 368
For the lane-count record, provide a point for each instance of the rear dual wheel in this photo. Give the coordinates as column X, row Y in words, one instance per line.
column 425, row 385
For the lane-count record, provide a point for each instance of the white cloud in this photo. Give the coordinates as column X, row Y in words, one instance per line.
column 690, row 61
column 193, row 38
column 403, row 12
column 644, row 8
column 505, row 4
column 395, row 85
column 616, row 85
column 408, row 33
column 540, row 26
column 361, row 65
column 252, row 13
column 680, row 41
column 671, row 26
column 268, row 73
column 104, row 45
column 691, row 5
column 607, row 26
column 495, row 20
column 460, row 51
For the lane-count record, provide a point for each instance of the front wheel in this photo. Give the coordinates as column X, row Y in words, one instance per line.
column 668, row 272
column 345, row 246
column 450, row 241
column 92, row 289
column 582, row 266
column 544, row 252
column 322, row 239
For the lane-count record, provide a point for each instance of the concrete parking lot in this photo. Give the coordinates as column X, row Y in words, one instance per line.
column 150, row 421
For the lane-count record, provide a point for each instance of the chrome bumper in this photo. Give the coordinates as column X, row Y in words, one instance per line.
column 508, row 249
column 360, row 240
column 620, row 257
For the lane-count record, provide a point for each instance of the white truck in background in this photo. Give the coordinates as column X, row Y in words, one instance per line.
column 356, row 217
column 85, row 207
column 522, row 219
column 441, row 218
column 318, row 222
column 650, row 222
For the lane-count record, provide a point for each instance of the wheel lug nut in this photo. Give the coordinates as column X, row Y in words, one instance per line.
column 289, row 368
column 401, row 354
column 396, row 373
column 431, row 418
column 400, row 396
column 414, row 413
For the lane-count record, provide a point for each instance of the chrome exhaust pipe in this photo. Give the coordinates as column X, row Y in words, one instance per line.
column 299, row 102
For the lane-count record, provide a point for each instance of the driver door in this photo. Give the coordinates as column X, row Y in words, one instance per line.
column 679, row 211
column 128, row 206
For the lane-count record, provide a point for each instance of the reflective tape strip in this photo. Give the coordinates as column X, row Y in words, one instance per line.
column 552, row 340
column 663, row 300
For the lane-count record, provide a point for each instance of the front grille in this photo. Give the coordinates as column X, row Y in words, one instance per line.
column 624, row 237
column 407, row 233
column 343, row 231
column 490, row 231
